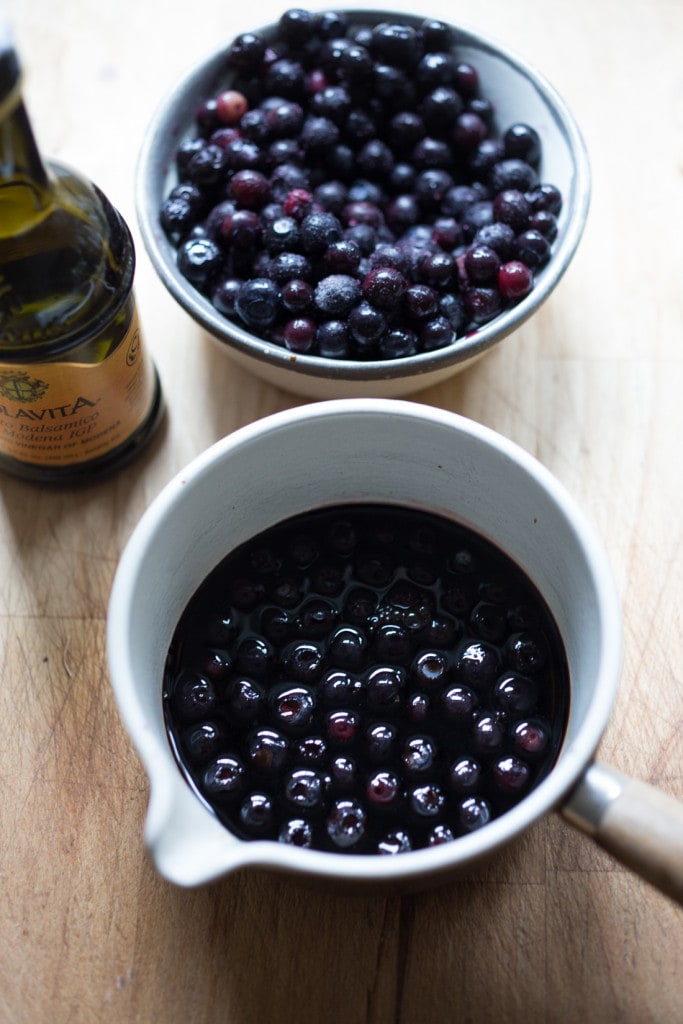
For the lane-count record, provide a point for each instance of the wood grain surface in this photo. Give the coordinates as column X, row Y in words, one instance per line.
column 551, row 931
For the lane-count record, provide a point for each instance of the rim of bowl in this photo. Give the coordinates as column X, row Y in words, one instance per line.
column 168, row 785
column 150, row 171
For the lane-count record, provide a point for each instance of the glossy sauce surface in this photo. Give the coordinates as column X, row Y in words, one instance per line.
column 365, row 679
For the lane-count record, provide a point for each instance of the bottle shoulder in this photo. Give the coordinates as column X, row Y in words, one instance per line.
column 26, row 202
column 66, row 274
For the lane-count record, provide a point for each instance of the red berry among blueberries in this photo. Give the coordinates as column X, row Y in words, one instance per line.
column 515, row 279
column 299, row 335
column 342, row 728
column 332, row 142
column 530, row 738
column 365, row 680
column 383, row 788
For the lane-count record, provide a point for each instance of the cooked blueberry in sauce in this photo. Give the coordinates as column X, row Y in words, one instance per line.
column 348, row 191
column 408, row 686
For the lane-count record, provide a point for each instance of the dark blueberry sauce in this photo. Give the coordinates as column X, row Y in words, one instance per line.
column 348, row 192
column 365, row 679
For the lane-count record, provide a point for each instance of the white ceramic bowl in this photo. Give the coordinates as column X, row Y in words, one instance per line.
column 360, row 450
column 519, row 93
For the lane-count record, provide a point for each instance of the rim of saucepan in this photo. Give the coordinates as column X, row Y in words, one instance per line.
column 166, row 780
column 171, row 120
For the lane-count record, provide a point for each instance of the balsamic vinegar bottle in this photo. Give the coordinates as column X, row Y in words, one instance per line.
column 79, row 395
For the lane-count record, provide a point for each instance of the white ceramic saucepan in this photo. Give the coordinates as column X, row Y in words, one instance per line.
column 380, row 450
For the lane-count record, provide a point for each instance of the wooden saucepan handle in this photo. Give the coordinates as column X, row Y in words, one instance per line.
column 637, row 824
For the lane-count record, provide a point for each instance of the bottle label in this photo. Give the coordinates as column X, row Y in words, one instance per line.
column 60, row 413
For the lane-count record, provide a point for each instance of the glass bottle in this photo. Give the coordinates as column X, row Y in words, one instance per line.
column 79, row 395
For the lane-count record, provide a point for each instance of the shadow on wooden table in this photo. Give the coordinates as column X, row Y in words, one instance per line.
column 497, row 945
column 258, row 947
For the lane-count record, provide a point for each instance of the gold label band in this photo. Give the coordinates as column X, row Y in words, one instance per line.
column 61, row 414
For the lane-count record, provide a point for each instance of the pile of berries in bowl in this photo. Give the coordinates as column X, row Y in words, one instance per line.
column 357, row 203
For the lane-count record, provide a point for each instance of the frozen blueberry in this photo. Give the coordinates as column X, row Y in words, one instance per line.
column 199, row 260
column 257, row 302
column 513, row 173
column 532, row 248
column 332, row 339
column 318, row 231
column 515, row 280
column 336, row 295
column 384, row 287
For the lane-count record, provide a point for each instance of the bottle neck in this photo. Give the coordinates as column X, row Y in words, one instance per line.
column 24, row 179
